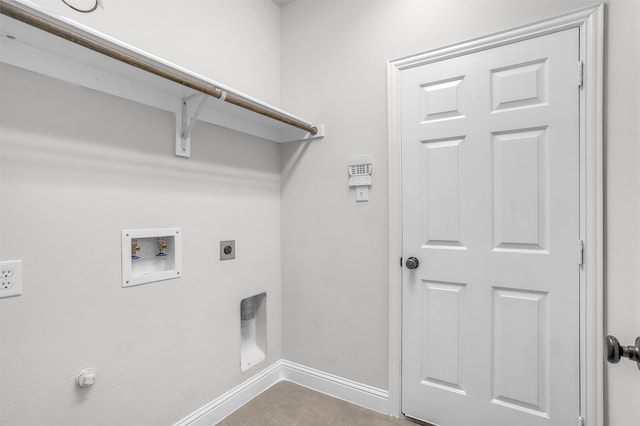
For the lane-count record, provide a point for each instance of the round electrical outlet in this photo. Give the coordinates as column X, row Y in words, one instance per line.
column 227, row 250
column 6, row 284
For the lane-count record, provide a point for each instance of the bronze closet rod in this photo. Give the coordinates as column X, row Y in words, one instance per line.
column 85, row 41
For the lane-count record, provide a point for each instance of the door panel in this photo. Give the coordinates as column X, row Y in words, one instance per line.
column 519, row 190
column 490, row 155
column 440, row 160
column 520, row 349
column 441, row 323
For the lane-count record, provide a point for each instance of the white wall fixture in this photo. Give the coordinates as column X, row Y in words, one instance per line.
column 360, row 169
column 10, row 278
column 150, row 255
column 253, row 331
column 86, row 378
column 227, row 250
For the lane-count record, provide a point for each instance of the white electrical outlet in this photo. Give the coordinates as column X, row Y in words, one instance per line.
column 10, row 278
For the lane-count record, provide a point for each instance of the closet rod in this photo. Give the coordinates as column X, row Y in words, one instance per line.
column 41, row 23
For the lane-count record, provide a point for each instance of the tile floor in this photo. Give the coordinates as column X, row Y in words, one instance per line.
column 288, row 404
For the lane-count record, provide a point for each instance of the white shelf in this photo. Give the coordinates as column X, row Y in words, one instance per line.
column 30, row 48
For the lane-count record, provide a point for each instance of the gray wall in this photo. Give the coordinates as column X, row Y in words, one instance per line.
column 335, row 251
column 77, row 167
column 622, row 203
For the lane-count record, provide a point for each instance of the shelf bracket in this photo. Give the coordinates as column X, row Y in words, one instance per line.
column 184, row 123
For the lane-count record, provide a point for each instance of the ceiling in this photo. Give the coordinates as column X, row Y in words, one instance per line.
column 282, row 2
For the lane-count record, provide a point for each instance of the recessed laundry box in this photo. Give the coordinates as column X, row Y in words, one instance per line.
column 253, row 331
column 150, row 255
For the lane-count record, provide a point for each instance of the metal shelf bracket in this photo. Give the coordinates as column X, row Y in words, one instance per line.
column 185, row 123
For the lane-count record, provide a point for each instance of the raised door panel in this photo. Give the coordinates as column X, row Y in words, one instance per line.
column 441, row 99
column 520, row 372
column 519, row 85
column 520, row 190
column 441, row 335
column 441, row 193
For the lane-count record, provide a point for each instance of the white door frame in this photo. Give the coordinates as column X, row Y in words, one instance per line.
column 590, row 22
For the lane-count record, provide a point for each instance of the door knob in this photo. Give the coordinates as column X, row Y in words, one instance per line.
column 614, row 351
column 412, row 263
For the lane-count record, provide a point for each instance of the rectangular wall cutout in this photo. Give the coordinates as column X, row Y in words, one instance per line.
column 253, row 331
column 150, row 255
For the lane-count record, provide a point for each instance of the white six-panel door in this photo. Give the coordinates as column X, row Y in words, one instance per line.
column 490, row 193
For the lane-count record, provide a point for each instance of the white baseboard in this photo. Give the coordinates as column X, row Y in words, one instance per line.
column 227, row 403
column 348, row 390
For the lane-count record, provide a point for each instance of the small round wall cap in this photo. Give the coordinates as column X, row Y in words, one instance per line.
column 86, row 378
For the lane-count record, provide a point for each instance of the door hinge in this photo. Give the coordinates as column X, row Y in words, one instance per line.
column 580, row 252
column 580, row 74
column 580, row 421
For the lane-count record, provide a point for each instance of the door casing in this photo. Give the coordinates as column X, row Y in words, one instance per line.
column 590, row 22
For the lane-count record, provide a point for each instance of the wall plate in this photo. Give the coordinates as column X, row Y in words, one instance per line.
column 10, row 278
column 227, row 249
column 150, row 255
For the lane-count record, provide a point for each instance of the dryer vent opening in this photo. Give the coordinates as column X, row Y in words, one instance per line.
column 253, row 331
